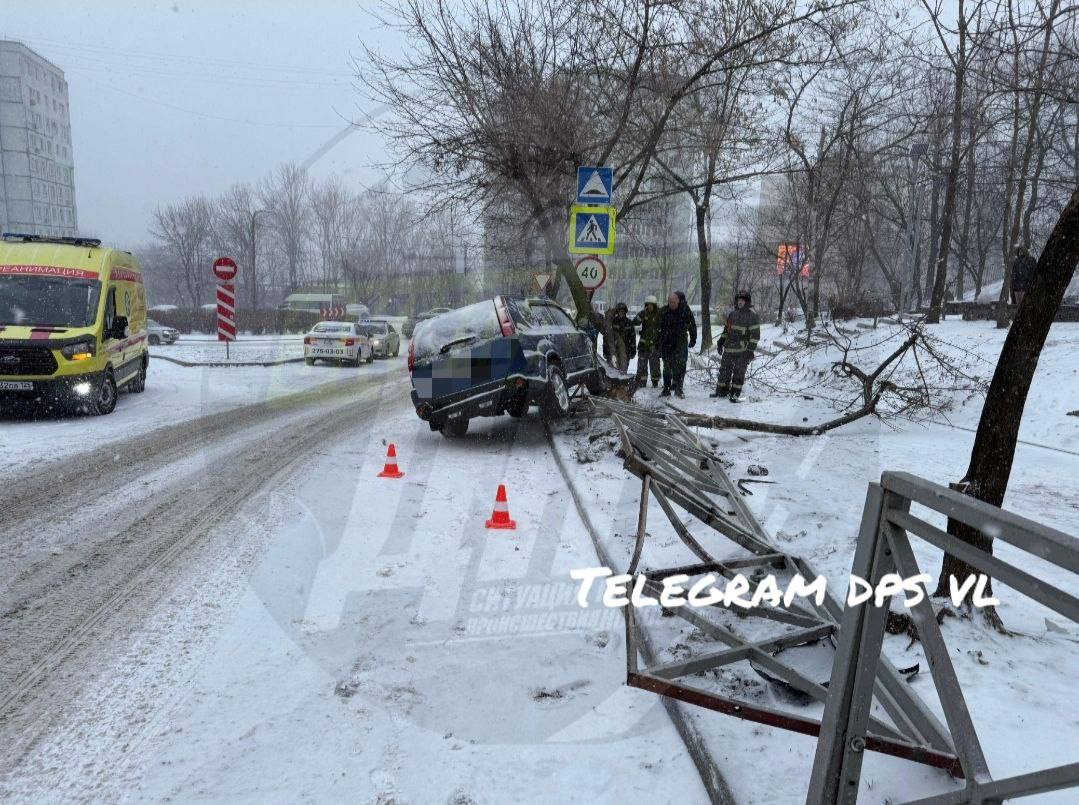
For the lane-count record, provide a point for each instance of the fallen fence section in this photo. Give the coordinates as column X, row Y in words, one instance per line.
column 884, row 547
column 867, row 704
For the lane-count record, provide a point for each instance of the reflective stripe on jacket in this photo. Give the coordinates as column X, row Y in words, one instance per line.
column 741, row 332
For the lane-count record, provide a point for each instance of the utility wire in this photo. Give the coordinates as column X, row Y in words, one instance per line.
column 206, row 115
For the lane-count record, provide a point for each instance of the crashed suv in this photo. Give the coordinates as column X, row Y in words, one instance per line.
column 498, row 356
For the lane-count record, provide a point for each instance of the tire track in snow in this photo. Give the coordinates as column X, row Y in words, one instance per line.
column 39, row 636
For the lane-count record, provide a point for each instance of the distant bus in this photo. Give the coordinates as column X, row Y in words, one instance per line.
column 313, row 302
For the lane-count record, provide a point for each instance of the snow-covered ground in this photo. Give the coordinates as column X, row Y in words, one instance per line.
column 1015, row 685
column 248, row 349
column 363, row 639
column 349, row 637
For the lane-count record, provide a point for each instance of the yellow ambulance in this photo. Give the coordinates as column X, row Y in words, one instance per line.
column 72, row 323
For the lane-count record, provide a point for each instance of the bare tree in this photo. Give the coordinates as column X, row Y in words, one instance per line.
column 233, row 233
column 185, row 230
column 331, row 213
column 287, row 194
column 477, row 97
column 998, row 428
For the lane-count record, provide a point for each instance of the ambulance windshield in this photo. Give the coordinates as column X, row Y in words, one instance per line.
column 29, row 301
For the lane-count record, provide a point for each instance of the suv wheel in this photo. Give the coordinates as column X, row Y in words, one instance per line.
column 455, row 428
column 104, row 399
column 518, row 405
column 556, row 400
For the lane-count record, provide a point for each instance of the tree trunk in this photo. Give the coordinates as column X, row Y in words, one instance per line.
column 706, row 278
column 926, row 293
column 940, row 282
column 998, row 429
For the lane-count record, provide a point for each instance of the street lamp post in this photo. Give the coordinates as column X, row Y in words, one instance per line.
column 254, row 278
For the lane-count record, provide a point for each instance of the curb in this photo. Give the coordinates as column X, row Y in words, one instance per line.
column 191, row 364
column 719, row 792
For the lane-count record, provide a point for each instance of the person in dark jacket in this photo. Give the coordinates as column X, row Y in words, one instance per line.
column 677, row 334
column 648, row 347
column 1023, row 269
column 737, row 345
column 623, row 330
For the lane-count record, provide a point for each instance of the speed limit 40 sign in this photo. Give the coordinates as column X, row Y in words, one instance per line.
column 592, row 271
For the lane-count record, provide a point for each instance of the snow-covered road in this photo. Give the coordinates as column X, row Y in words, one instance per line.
column 250, row 614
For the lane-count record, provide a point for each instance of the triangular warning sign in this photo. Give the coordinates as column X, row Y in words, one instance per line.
column 594, row 187
column 591, row 232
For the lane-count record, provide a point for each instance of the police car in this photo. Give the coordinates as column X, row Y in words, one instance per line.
column 341, row 342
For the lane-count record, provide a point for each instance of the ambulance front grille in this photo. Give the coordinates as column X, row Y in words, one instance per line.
column 26, row 361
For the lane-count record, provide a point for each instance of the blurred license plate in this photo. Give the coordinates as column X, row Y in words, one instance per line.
column 16, row 385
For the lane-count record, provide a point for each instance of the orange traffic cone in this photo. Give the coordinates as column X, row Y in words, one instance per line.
column 390, row 470
column 500, row 518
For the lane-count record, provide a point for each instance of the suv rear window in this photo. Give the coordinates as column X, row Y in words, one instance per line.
column 478, row 322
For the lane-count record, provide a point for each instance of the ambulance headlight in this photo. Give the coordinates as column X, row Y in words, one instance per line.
column 79, row 351
column 82, row 389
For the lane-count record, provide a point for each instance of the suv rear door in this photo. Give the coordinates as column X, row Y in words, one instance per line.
column 462, row 353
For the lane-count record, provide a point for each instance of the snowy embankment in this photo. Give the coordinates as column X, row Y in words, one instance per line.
column 1014, row 685
column 177, row 394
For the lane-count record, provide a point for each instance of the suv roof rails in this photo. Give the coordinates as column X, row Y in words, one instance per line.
column 64, row 241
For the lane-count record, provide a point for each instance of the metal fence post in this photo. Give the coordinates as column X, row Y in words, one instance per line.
column 837, row 765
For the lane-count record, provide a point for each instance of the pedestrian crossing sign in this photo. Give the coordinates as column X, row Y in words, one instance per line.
column 591, row 229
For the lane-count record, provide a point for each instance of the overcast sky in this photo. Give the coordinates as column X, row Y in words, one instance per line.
column 176, row 98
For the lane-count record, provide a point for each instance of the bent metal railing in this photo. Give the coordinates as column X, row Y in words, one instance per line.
column 676, row 468
column 884, row 547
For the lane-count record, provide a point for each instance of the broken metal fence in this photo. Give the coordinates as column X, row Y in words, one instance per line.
column 884, row 547
column 867, row 705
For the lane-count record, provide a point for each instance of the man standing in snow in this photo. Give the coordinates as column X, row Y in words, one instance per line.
column 648, row 347
column 1023, row 269
column 737, row 344
column 625, row 336
column 677, row 334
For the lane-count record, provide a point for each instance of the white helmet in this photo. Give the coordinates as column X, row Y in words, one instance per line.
column 650, row 299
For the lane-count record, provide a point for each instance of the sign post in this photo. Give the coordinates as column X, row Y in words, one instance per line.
column 225, row 270
column 592, row 224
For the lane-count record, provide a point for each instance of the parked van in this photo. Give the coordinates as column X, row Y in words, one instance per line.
column 72, row 323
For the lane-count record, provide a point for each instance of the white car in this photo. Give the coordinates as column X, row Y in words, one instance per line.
column 338, row 341
column 160, row 334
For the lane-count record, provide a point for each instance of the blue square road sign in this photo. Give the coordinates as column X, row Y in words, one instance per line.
column 594, row 184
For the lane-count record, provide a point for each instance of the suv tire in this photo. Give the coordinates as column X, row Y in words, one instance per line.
column 556, row 399
column 455, row 428
column 518, row 405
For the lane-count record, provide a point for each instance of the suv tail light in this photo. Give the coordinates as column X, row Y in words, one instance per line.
column 411, row 356
column 504, row 317
column 308, row 340
column 350, row 342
